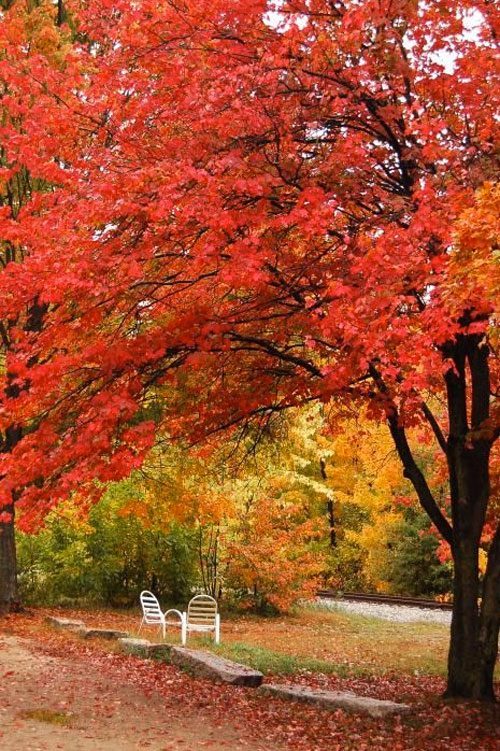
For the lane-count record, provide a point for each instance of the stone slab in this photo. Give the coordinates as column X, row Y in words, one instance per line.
column 101, row 633
column 215, row 668
column 145, row 648
column 346, row 700
column 67, row 623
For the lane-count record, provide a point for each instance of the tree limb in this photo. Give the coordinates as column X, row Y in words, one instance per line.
column 436, row 428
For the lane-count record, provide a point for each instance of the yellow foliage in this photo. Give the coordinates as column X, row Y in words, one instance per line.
column 475, row 259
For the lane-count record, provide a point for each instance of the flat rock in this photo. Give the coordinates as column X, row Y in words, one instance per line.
column 101, row 633
column 215, row 668
column 144, row 648
column 67, row 623
column 335, row 700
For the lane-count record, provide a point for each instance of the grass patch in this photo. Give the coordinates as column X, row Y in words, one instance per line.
column 270, row 662
column 49, row 716
column 311, row 639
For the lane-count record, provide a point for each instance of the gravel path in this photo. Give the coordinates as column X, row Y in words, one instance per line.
column 400, row 613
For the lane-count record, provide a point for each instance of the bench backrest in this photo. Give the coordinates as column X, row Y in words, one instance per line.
column 151, row 608
column 202, row 610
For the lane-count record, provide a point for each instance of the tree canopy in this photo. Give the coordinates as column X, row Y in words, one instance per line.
column 240, row 207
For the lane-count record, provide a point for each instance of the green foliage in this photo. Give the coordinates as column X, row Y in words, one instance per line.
column 110, row 557
column 250, row 524
column 345, row 566
column 413, row 567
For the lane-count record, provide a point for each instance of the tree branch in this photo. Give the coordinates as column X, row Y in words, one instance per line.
column 436, row 428
column 271, row 349
column 410, row 468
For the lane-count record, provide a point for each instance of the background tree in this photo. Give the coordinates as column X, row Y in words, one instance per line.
column 32, row 51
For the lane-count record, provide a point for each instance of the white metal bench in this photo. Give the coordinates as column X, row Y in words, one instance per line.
column 201, row 616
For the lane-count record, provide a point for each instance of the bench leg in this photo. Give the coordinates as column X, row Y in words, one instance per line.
column 217, row 629
column 184, row 629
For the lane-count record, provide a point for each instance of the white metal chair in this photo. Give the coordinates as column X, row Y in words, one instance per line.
column 151, row 612
column 201, row 616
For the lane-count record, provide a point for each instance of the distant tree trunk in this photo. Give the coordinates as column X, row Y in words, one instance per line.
column 208, row 556
column 9, row 599
column 61, row 13
column 331, row 522
column 329, row 508
column 8, row 563
column 8, row 441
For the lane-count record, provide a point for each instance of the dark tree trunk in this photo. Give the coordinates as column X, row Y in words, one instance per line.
column 464, row 663
column 61, row 13
column 13, row 434
column 8, row 564
column 489, row 623
column 330, row 510
column 331, row 522
column 8, row 561
column 474, row 629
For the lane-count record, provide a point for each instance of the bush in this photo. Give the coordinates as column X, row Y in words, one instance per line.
column 108, row 558
column 413, row 567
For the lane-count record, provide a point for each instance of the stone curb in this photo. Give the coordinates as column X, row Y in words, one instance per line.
column 144, row 648
column 101, row 633
column 335, row 700
column 67, row 623
column 219, row 669
column 215, row 668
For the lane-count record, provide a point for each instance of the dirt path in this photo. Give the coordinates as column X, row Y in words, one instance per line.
column 97, row 715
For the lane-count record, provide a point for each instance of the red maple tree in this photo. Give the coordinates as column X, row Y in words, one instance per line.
column 257, row 208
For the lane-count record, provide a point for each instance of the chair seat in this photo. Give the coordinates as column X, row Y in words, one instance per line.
column 199, row 627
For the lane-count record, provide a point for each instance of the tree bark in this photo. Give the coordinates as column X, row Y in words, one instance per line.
column 9, row 599
column 8, row 563
column 474, row 628
column 330, row 510
column 489, row 623
column 463, row 655
column 8, row 441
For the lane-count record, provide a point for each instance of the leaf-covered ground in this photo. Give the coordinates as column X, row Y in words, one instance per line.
column 93, row 694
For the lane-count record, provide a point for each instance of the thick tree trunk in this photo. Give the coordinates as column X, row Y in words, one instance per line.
column 474, row 628
column 463, row 655
column 8, row 564
column 489, row 624
column 9, row 598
